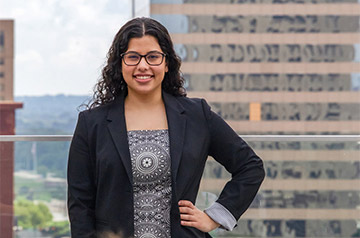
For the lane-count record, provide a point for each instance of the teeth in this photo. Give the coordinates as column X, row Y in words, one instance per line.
column 143, row 77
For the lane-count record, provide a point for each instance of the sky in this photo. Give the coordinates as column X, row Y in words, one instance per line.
column 61, row 45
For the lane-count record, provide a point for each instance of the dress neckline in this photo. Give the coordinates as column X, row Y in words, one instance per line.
column 148, row 130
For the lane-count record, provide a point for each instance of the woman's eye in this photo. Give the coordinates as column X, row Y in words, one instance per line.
column 133, row 57
column 153, row 56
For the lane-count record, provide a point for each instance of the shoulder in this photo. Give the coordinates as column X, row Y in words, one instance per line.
column 98, row 113
column 195, row 105
column 190, row 102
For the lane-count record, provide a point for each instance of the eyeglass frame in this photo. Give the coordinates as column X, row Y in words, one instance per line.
column 143, row 56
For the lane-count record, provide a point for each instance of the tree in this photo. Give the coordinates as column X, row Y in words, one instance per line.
column 31, row 215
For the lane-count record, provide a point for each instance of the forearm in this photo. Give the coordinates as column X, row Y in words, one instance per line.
column 222, row 216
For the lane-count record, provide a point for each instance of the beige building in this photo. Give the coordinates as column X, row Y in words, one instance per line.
column 280, row 67
column 6, row 59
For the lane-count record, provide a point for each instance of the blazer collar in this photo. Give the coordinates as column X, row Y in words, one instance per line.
column 176, row 125
column 118, row 132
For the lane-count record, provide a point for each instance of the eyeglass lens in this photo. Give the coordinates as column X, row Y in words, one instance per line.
column 152, row 58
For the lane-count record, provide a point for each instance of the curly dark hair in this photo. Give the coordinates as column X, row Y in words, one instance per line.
column 112, row 83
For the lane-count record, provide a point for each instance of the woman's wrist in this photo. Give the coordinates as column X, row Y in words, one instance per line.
column 212, row 224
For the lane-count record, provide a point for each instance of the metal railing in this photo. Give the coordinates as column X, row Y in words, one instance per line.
column 14, row 138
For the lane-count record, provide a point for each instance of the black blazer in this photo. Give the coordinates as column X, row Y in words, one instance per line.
column 100, row 191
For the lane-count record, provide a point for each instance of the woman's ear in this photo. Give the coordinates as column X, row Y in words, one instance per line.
column 166, row 67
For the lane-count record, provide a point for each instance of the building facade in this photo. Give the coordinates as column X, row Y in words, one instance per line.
column 287, row 67
column 6, row 59
column 7, row 127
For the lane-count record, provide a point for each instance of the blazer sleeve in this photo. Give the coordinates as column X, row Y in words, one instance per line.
column 81, row 185
column 246, row 168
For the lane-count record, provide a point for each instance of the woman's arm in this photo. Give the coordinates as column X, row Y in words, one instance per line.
column 247, row 175
column 222, row 216
column 239, row 159
column 81, row 186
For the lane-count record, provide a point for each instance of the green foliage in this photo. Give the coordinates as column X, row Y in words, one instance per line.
column 31, row 215
column 57, row 229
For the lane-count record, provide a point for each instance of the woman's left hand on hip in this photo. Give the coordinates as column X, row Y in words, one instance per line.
column 191, row 216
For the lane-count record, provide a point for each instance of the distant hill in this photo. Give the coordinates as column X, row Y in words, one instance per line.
column 48, row 114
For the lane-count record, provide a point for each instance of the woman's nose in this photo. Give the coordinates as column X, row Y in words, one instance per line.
column 143, row 64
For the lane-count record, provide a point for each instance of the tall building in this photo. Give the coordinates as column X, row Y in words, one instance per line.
column 6, row 59
column 280, row 67
column 7, row 126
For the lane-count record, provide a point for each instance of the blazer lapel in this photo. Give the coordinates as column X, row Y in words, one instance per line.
column 117, row 129
column 176, row 126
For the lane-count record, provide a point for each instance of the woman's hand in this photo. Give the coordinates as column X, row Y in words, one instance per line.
column 192, row 216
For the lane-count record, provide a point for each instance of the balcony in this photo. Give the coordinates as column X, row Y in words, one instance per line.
column 312, row 186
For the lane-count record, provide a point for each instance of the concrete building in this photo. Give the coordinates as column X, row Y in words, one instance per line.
column 280, row 67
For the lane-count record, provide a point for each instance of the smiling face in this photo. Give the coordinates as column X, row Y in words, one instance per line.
column 144, row 79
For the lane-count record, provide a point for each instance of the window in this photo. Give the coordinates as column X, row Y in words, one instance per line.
column 2, row 41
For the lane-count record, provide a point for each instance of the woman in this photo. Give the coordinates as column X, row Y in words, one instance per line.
column 138, row 153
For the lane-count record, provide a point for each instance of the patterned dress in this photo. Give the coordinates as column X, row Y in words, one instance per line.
column 151, row 170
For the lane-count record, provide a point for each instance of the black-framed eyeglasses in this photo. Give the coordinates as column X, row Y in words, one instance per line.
column 153, row 58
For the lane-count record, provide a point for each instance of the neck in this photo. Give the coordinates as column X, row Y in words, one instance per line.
column 143, row 100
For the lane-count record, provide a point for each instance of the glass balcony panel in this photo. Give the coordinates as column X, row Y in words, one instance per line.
column 311, row 189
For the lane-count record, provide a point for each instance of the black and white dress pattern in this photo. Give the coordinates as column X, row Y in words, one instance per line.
column 151, row 170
